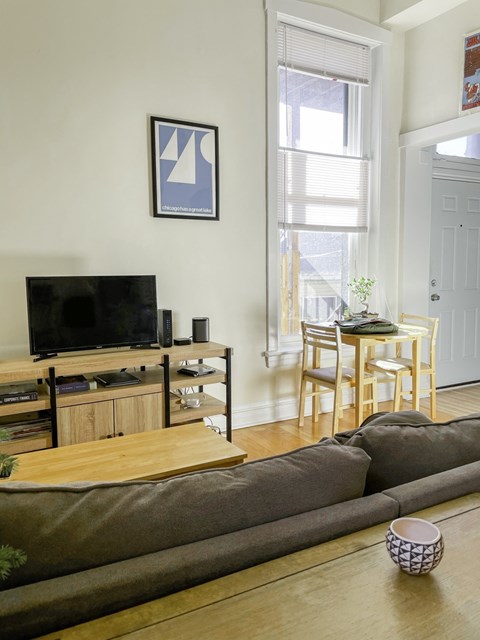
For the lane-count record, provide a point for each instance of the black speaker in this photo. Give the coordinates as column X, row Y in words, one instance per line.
column 165, row 328
column 200, row 330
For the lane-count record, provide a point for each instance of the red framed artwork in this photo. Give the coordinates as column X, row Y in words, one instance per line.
column 471, row 73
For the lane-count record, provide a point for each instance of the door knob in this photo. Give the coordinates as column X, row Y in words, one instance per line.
column 434, row 297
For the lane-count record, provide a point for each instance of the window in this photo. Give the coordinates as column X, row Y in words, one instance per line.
column 320, row 169
column 467, row 147
column 322, row 176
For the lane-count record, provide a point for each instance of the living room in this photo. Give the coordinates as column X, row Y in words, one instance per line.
column 80, row 83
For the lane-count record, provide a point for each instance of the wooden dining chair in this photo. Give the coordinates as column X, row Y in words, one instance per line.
column 400, row 367
column 330, row 376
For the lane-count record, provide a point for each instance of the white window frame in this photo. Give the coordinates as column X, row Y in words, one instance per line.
column 335, row 23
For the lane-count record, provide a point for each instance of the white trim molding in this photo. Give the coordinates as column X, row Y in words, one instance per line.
column 446, row 130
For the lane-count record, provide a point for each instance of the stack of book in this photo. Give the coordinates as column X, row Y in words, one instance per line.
column 11, row 393
column 69, row 384
column 25, row 425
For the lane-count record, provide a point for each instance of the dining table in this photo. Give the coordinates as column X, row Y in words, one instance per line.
column 365, row 345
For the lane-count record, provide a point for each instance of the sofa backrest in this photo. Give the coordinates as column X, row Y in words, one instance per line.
column 68, row 528
column 407, row 446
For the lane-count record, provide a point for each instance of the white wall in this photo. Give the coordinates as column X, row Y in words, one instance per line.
column 366, row 9
column 79, row 80
column 433, row 67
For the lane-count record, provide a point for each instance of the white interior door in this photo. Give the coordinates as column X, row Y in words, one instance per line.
column 455, row 279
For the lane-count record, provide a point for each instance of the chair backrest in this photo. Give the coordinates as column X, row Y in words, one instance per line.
column 430, row 324
column 317, row 337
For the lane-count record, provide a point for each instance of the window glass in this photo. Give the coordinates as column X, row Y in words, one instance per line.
column 318, row 217
column 316, row 114
column 467, row 147
column 314, row 276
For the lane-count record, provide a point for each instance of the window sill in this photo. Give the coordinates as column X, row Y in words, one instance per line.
column 284, row 357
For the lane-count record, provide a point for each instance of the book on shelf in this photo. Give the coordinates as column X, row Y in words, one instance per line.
column 196, row 370
column 25, row 425
column 11, row 393
column 116, row 378
column 69, row 384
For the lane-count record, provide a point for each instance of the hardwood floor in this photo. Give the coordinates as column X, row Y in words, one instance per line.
column 269, row 439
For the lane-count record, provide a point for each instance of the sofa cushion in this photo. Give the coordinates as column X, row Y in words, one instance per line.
column 402, row 452
column 79, row 526
column 385, row 417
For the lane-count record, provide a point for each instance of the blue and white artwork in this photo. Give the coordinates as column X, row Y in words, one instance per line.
column 185, row 169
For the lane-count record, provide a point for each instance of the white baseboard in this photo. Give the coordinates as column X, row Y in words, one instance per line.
column 287, row 409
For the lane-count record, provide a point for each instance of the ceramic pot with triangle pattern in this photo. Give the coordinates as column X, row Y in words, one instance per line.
column 415, row 545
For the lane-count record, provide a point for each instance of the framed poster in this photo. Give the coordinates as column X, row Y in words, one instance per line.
column 471, row 73
column 185, row 169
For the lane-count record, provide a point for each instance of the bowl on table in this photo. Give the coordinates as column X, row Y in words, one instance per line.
column 415, row 545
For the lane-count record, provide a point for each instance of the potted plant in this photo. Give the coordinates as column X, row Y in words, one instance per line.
column 362, row 288
column 8, row 463
column 10, row 558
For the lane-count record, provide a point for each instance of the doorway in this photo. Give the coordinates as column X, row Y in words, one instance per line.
column 416, row 263
column 455, row 277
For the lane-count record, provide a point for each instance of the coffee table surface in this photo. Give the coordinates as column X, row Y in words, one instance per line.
column 345, row 589
column 142, row 456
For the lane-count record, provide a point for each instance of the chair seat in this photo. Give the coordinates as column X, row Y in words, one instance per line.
column 395, row 365
column 327, row 374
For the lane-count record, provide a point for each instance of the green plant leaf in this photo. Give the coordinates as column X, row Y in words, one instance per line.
column 10, row 558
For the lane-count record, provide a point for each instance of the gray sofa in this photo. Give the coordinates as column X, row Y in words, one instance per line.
column 96, row 548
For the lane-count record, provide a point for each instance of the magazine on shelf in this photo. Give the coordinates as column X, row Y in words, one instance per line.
column 24, row 425
column 11, row 393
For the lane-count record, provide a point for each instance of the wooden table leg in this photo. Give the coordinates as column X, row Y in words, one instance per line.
column 416, row 359
column 359, row 381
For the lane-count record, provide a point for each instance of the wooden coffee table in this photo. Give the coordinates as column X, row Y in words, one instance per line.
column 150, row 455
column 342, row 589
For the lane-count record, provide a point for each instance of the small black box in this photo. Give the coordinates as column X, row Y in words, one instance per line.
column 165, row 328
column 180, row 341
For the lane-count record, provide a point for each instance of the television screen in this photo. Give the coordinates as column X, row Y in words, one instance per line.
column 71, row 313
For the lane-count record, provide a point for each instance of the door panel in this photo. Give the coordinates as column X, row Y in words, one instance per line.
column 455, row 266
column 85, row 422
column 138, row 413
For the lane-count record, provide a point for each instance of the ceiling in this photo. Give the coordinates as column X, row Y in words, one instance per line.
column 403, row 15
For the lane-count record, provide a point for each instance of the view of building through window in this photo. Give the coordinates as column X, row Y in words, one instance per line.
column 314, row 277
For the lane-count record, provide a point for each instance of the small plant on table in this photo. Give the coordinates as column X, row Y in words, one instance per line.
column 362, row 288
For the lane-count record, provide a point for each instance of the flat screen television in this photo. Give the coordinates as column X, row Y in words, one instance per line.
column 73, row 313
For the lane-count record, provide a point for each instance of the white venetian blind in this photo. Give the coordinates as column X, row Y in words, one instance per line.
column 323, row 55
column 322, row 191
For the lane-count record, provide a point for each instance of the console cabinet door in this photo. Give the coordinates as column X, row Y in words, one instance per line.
column 85, row 422
column 138, row 413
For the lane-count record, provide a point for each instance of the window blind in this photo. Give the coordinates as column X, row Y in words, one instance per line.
column 322, row 192
column 319, row 191
column 311, row 52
